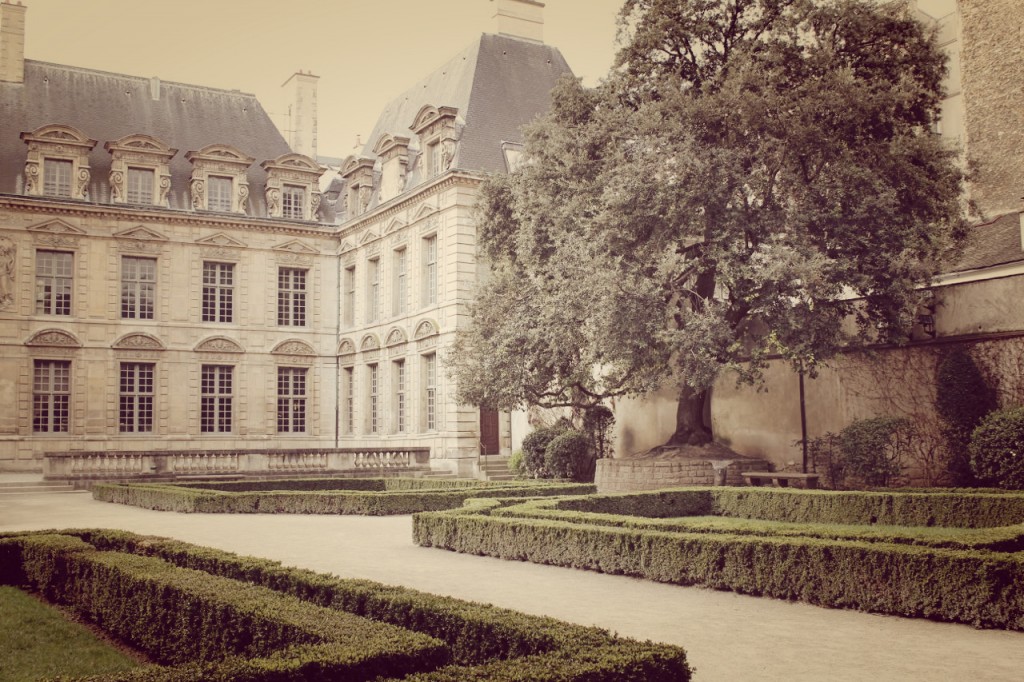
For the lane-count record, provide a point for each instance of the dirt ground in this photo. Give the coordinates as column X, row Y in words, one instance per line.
column 727, row 636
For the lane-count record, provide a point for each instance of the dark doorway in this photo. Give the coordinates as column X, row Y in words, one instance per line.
column 489, row 432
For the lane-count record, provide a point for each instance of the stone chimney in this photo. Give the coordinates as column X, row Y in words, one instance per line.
column 300, row 90
column 12, row 42
column 520, row 19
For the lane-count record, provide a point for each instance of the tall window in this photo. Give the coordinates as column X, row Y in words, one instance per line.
column 140, row 185
column 293, row 202
column 350, row 296
column 433, row 159
column 291, row 297
column 218, row 193
column 135, row 413
column 430, row 384
column 348, row 376
column 138, row 287
column 218, row 292
column 53, row 282
column 400, row 291
column 372, row 290
column 291, row 400
column 56, row 178
column 430, row 270
column 216, row 394
column 400, row 406
column 372, row 387
column 51, row 396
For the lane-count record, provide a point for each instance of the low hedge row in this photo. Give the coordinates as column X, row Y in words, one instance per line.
column 183, row 499
column 952, row 509
column 1003, row 539
column 486, row 643
column 337, row 483
column 982, row 588
column 210, row 627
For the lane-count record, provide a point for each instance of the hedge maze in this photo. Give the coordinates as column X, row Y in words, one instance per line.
column 366, row 496
column 947, row 555
column 204, row 614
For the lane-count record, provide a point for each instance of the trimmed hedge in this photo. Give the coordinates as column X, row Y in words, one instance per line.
column 398, row 496
column 486, row 643
column 982, row 588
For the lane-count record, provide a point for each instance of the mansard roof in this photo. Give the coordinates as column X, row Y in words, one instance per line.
column 497, row 85
column 996, row 241
column 109, row 106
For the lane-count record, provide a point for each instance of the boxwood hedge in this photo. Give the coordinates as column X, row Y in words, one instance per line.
column 483, row 642
column 952, row 574
column 322, row 496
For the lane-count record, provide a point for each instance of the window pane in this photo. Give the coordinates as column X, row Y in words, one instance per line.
column 53, row 282
column 140, row 186
column 215, row 409
column 291, row 297
column 138, row 290
column 218, row 292
column 56, row 177
column 293, row 202
column 51, row 396
column 218, row 193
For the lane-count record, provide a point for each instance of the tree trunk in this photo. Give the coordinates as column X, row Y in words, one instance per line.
column 690, row 428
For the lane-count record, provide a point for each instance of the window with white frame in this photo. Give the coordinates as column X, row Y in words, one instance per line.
column 54, row 278
column 293, row 202
column 57, row 177
column 219, row 189
column 138, row 288
column 51, row 396
column 433, row 158
column 350, row 296
column 400, row 290
column 372, row 289
column 135, row 408
column 398, row 369
column 291, row 297
column 218, row 291
column 216, row 398
column 291, row 399
column 140, row 182
column 348, row 378
column 430, row 270
column 373, row 403
column 430, row 391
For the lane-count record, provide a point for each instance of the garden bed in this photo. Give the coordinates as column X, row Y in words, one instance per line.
column 374, row 497
column 207, row 614
column 821, row 547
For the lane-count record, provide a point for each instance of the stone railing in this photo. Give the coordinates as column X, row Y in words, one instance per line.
column 154, row 464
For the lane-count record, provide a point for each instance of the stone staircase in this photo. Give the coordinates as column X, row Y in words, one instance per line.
column 495, row 468
column 34, row 487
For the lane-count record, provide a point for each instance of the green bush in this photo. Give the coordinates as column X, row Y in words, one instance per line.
column 535, row 445
column 872, row 449
column 516, row 466
column 963, row 398
column 568, row 456
column 997, row 449
column 597, row 424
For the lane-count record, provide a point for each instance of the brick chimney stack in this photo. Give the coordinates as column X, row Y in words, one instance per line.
column 12, row 42
column 520, row 19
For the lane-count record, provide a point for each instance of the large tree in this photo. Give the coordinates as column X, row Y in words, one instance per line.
column 754, row 178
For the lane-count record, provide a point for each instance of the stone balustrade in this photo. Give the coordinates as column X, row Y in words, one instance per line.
column 163, row 465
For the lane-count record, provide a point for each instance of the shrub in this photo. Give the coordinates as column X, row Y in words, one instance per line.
column 534, row 446
column 568, row 456
column 597, row 424
column 827, row 460
column 997, row 449
column 872, row 449
column 516, row 466
column 962, row 399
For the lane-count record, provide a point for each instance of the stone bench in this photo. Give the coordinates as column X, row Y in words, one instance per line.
column 780, row 479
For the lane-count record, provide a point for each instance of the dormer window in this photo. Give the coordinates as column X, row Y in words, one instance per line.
column 220, row 180
column 357, row 173
column 57, row 163
column 393, row 152
column 437, row 130
column 433, row 158
column 293, row 187
column 139, row 171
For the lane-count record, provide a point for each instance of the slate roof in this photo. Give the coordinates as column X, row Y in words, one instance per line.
column 108, row 106
column 498, row 84
column 995, row 242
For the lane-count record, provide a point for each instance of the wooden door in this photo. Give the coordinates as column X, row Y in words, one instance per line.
column 489, row 439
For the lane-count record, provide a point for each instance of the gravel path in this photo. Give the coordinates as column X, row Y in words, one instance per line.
column 727, row 636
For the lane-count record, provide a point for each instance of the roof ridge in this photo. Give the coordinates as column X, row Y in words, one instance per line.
column 141, row 79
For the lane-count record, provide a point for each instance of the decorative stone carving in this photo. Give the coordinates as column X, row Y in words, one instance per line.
column 8, row 263
column 298, row 171
column 369, row 342
column 57, row 143
column 54, row 337
column 56, row 233
column 393, row 152
column 357, row 173
column 395, row 336
column 140, row 151
column 346, row 347
column 424, row 329
column 138, row 341
column 438, row 125
column 273, row 197
column 219, row 344
column 223, row 161
column 293, row 347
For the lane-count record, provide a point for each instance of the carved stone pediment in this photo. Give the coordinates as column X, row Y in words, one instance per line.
column 58, row 143
column 395, row 223
column 138, row 341
column 54, row 337
column 424, row 329
column 57, row 226
column 218, row 344
column 140, row 151
column 356, row 165
column 141, row 232
column 369, row 342
column 296, row 246
column 367, row 236
column 346, row 246
column 429, row 116
column 293, row 347
column 425, row 209
column 395, row 336
column 346, row 347
column 221, row 239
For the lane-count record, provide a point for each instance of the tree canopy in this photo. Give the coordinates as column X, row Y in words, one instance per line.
column 754, row 178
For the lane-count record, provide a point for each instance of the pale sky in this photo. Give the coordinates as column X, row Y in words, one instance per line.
column 366, row 52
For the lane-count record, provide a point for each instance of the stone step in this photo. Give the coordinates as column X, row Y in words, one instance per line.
column 30, row 489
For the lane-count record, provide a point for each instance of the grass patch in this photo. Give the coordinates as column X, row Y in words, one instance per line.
column 39, row 641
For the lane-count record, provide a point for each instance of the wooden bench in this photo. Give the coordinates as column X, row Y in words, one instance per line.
column 780, row 479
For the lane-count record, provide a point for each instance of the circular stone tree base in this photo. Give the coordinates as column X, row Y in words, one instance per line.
column 671, row 466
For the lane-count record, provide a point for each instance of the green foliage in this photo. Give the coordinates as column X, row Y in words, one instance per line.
column 962, row 399
column 997, row 449
column 486, row 643
column 399, row 496
column 535, row 445
column 597, row 424
column 873, row 449
column 516, row 465
column 568, row 455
